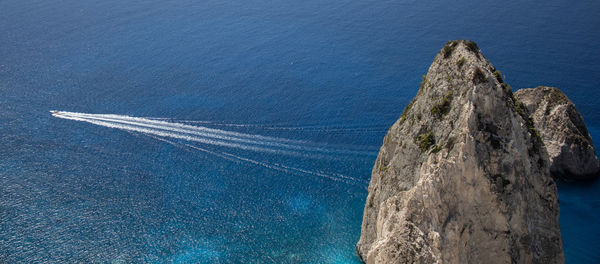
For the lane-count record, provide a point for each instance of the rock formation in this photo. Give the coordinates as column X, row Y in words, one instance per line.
column 565, row 136
column 462, row 176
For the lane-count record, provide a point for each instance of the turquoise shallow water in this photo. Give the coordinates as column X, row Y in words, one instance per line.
column 331, row 75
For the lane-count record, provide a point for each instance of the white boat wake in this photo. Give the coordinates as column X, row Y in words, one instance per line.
column 275, row 166
column 305, row 128
column 160, row 129
column 204, row 135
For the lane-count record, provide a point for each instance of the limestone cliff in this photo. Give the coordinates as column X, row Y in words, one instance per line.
column 561, row 127
column 462, row 176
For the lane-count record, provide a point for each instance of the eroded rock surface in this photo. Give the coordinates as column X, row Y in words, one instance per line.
column 569, row 145
column 462, row 176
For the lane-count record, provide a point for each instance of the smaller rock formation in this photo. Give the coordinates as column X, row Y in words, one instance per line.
column 565, row 136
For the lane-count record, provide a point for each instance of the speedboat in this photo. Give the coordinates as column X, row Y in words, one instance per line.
column 54, row 112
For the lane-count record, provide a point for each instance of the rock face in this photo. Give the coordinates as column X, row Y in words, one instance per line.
column 561, row 127
column 462, row 176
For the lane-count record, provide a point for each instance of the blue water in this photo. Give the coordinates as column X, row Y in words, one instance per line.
column 334, row 74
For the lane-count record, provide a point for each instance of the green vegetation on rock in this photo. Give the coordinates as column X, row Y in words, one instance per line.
column 498, row 76
column 450, row 143
column 472, row 46
column 460, row 62
column 478, row 76
column 448, row 49
column 425, row 141
column 405, row 112
column 443, row 107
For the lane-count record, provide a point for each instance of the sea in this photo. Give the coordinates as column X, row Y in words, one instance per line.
column 230, row 131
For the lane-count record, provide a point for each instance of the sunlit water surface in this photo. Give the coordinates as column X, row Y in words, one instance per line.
column 308, row 87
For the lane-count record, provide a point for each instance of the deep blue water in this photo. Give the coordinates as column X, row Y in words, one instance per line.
column 333, row 74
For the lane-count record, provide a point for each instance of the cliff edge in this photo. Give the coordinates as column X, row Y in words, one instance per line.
column 463, row 175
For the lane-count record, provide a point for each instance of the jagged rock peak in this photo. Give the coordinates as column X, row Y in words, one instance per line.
column 565, row 136
column 461, row 177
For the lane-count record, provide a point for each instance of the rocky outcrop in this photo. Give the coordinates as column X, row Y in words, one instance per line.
column 566, row 139
column 462, row 176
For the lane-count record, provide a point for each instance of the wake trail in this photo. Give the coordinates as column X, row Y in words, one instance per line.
column 184, row 137
column 198, row 131
column 239, row 140
column 141, row 120
column 315, row 128
column 274, row 166
column 284, row 168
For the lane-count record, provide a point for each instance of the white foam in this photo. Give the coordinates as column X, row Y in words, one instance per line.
column 307, row 128
column 178, row 135
column 178, row 125
column 275, row 166
column 197, row 131
column 204, row 132
column 161, row 132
